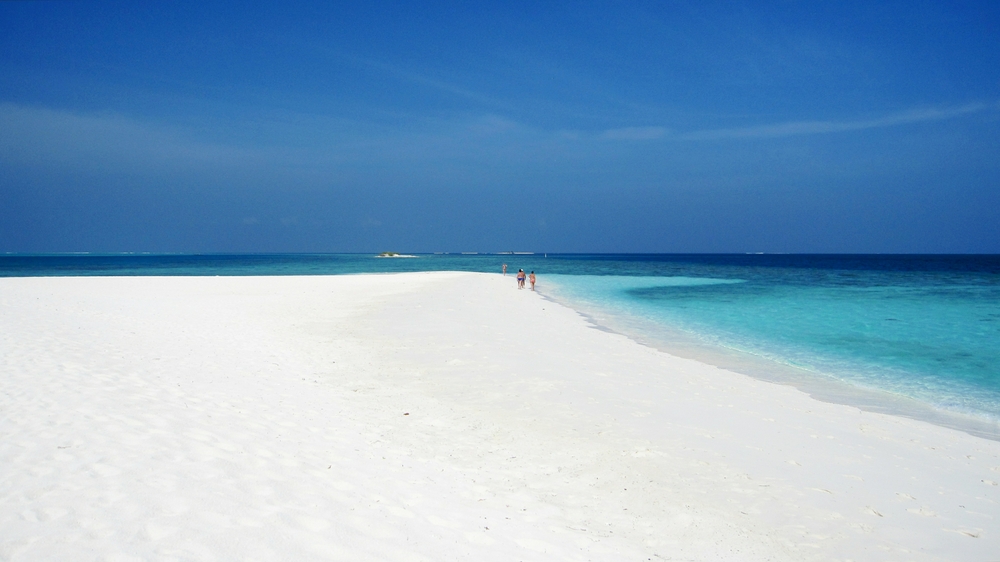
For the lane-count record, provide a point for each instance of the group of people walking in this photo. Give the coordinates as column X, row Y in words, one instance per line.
column 521, row 277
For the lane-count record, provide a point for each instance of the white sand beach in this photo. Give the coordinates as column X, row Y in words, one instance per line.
column 435, row 416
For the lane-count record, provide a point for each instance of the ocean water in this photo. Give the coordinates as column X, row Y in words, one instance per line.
column 932, row 337
column 914, row 335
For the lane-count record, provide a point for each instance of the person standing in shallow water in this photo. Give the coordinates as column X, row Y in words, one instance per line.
column 531, row 278
column 520, row 278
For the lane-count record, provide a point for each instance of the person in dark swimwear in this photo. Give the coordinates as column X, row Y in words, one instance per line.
column 520, row 278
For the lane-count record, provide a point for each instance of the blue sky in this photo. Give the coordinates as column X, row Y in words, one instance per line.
column 563, row 127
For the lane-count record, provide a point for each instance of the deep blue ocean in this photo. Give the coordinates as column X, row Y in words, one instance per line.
column 918, row 332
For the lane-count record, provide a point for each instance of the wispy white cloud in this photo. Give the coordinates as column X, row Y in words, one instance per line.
column 110, row 144
column 796, row 128
column 311, row 151
column 424, row 80
column 31, row 135
column 635, row 133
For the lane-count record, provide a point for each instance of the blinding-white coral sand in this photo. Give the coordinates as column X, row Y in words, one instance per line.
column 435, row 416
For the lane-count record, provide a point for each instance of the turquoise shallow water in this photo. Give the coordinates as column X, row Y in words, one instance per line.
column 922, row 327
column 935, row 343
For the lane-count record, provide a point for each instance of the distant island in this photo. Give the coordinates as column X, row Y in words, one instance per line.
column 394, row 255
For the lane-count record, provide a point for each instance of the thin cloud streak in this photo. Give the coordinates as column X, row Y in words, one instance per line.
column 45, row 138
column 635, row 133
column 796, row 128
column 420, row 79
column 42, row 136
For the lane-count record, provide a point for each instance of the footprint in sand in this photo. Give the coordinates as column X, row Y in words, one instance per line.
column 864, row 528
column 922, row 511
column 973, row 533
column 871, row 510
column 990, row 482
column 905, row 496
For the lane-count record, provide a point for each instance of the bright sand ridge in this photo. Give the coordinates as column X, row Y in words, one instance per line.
column 262, row 418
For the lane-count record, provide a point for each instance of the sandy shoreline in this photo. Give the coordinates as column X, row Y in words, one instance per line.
column 823, row 388
column 435, row 416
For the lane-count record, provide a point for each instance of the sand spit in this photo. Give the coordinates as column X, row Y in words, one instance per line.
column 435, row 416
